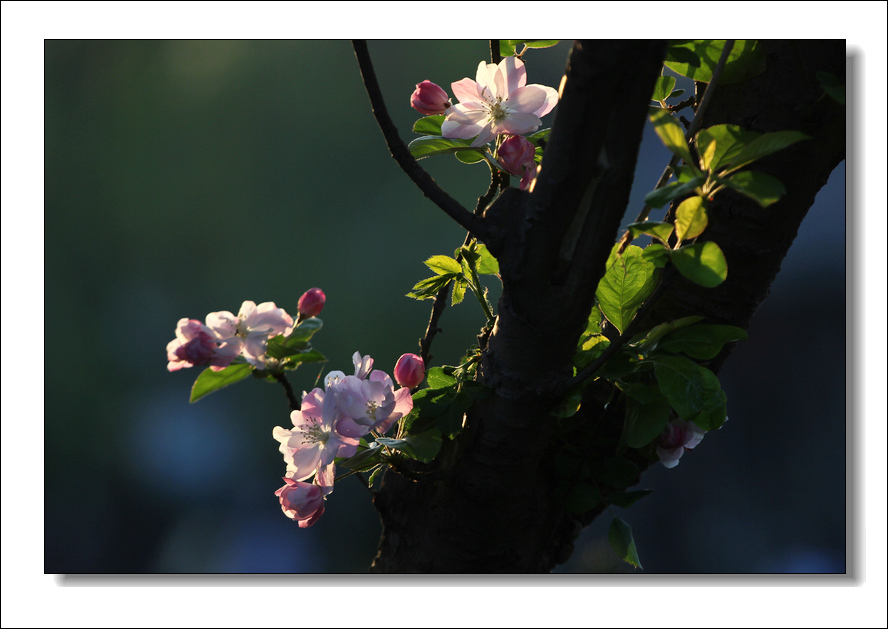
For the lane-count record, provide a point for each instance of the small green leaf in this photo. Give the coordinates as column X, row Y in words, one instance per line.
column 729, row 140
column 687, row 172
column 539, row 137
column 676, row 93
column 425, row 445
column 697, row 59
column 671, row 133
column 702, row 342
column 209, row 380
column 627, row 499
column 645, row 420
column 590, row 350
column 487, row 264
column 691, row 218
column 377, row 471
column 583, row 497
column 703, row 263
column 663, row 88
column 303, row 332
column 444, row 265
column 508, row 46
column 310, row 356
column 540, row 43
column 652, row 228
column 707, row 156
column 429, row 287
column 649, row 339
column 662, row 196
column 656, row 254
column 761, row 188
column 692, row 390
column 430, row 125
column 437, row 379
column 764, row 145
column 627, row 282
column 470, row 156
column 459, row 291
column 429, row 145
column 620, row 537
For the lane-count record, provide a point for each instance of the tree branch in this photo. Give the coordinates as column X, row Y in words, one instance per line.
column 401, row 153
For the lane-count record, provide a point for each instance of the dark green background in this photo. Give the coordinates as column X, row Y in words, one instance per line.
column 186, row 177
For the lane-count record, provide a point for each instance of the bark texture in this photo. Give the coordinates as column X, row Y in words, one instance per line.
column 493, row 501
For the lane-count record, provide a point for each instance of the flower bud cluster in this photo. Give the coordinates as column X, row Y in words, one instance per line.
column 330, row 424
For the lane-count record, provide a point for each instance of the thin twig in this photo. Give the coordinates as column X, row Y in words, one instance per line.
column 691, row 132
column 401, row 153
column 281, row 377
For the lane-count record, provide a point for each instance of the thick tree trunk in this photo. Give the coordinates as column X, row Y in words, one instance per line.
column 489, row 502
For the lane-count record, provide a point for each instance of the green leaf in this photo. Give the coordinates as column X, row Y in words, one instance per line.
column 590, row 350
column 620, row 537
column 662, row 196
column 430, row 125
column 663, row 88
column 692, row 390
column 429, row 287
column 652, row 228
column 583, row 497
column 687, row 172
column 364, row 460
column 450, row 421
column 471, row 156
column 508, row 46
column 729, row 140
column 649, row 340
column 428, row 405
column 209, row 380
column 627, row 499
column 459, row 291
column 702, row 342
column 540, row 43
column 539, row 137
column 375, row 474
column 437, row 379
column 697, row 59
column 671, row 133
column 703, row 263
column 645, row 419
column 764, row 145
column 487, row 264
column 310, row 356
column 627, row 282
column 761, row 188
column 691, row 218
column 832, row 86
column 425, row 445
column 429, row 145
column 303, row 332
column 444, row 265
column 658, row 255
column 676, row 93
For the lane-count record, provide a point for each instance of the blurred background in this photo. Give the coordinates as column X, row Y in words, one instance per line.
column 184, row 177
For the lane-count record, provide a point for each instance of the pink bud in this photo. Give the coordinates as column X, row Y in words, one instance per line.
column 429, row 99
column 516, row 155
column 409, row 371
column 311, row 303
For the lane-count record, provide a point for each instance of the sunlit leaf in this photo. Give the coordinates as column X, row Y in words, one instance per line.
column 662, row 196
column 652, row 228
column 209, row 380
column 697, row 59
column 691, row 218
column 436, row 145
column 443, row 265
column 703, row 263
column 761, row 188
column 429, row 125
column 671, row 132
column 487, row 264
column 663, row 88
column 765, row 145
column 628, row 280
column 729, row 141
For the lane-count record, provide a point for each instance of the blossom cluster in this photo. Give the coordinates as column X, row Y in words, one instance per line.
column 330, row 424
column 224, row 337
column 497, row 103
column 678, row 436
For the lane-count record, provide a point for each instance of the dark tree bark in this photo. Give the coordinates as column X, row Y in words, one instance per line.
column 491, row 501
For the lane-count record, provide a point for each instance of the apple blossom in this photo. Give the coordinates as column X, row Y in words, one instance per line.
column 311, row 303
column 195, row 344
column 312, row 444
column 409, row 371
column 301, row 502
column 252, row 327
column 677, row 437
column 516, row 155
column 429, row 99
column 370, row 404
column 498, row 101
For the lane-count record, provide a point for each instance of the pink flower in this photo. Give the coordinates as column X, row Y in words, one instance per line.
column 313, row 444
column 252, row 328
column 301, row 502
column 363, row 365
column 311, row 303
column 516, row 155
column 195, row 344
column 677, row 437
column 370, row 404
column 498, row 101
column 409, row 371
column 429, row 99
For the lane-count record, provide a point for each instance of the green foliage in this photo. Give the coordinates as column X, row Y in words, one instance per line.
column 620, row 537
column 691, row 218
column 647, row 413
column 508, row 46
column 663, row 88
column 703, row 263
column 209, row 380
column 692, row 390
column 702, row 342
column 429, row 145
column 697, row 59
column 628, row 280
column 674, row 190
column 661, row 231
column 429, row 125
column 761, row 188
column 671, row 133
